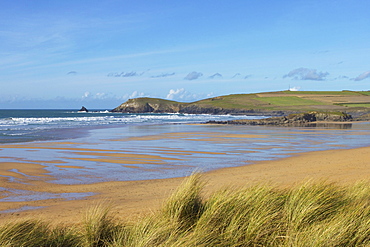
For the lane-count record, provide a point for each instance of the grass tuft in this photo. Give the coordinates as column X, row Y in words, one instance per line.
column 36, row 233
column 99, row 226
column 184, row 206
column 310, row 203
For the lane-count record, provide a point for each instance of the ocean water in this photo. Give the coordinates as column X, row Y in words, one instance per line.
column 40, row 125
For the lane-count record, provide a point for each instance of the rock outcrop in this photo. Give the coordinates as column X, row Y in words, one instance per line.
column 301, row 119
column 362, row 117
column 83, row 109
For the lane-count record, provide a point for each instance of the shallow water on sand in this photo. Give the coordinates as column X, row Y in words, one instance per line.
column 169, row 150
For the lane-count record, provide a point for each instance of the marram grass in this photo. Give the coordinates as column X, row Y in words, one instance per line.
column 309, row 214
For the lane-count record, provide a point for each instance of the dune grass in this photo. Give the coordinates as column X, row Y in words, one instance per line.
column 309, row 214
column 34, row 233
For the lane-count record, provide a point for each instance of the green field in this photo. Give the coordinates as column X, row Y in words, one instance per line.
column 289, row 101
column 365, row 93
column 233, row 101
column 367, row 105
column 292, row 100
column 345, row 92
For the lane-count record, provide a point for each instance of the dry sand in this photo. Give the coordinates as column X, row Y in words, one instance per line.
column 134, row 199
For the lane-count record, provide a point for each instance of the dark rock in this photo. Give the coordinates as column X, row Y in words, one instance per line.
column 300, row 119
column 362, row 117
column 83, row 109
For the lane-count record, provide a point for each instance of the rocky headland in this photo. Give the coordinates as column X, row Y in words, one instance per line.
column 153, row 105
column 286, row 108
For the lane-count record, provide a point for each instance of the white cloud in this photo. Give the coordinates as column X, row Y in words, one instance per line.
column 86, row 95
column 100, row 95
column 193, row 75
column 294, row 88
column 210, row 95
column 183, row 95
column 176, row 93
column 90, row 96
column 306, row 74
column 363, row 76
column 136, row 94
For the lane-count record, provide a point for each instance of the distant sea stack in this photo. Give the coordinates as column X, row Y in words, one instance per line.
column 83, row 109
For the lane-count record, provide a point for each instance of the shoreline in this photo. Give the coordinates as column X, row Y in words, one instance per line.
column 133, row 199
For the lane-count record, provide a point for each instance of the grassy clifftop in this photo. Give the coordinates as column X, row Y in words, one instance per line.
column 277, row 103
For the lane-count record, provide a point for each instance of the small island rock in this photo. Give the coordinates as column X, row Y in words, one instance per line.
column 83, row 109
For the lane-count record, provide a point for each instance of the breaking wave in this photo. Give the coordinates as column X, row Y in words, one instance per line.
column 31, row 123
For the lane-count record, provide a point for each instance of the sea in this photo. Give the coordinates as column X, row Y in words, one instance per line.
column 17, row 126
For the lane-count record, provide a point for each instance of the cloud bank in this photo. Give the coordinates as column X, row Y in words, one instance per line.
column 214, row 76
column 163, row 75
column 183, row 95
column 363, row 76
column 294, row 89
column 176, row 93
column 193, row 75
column 125, row 74
column 306, row 74
column 72, row 73
column 136, row 94
column 237, row 74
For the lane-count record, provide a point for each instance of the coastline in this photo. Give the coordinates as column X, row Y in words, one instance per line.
column 133, row 199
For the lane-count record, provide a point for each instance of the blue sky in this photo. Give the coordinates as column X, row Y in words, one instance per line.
column 64, row 54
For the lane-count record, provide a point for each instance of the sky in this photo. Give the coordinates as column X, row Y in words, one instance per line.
column 65, row 54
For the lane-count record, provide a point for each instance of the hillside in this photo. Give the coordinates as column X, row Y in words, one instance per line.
column 356, row 103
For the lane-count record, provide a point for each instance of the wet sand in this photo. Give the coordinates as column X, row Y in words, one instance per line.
column 132, row 199
column 57, row 181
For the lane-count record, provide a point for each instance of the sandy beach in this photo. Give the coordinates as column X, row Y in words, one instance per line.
column 132, row 199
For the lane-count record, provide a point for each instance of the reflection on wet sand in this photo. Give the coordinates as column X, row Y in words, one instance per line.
column 333, row 125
